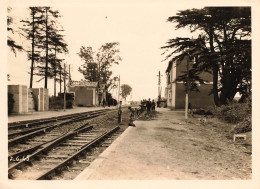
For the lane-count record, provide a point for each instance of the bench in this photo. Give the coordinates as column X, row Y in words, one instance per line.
column 239, row 136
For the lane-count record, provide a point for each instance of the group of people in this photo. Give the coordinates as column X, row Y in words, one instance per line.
column 148, row 105
column 136, row 111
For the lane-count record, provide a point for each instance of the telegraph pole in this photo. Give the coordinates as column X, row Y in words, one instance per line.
column 118, row 90
column 188, row 87
column 64, row 93
column 159, row 86
column 69, row 75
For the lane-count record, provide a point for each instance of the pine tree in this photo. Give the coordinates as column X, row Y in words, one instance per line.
column 32, row 29
column 10, row 42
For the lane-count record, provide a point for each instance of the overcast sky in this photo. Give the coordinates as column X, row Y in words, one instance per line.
column 140, row 28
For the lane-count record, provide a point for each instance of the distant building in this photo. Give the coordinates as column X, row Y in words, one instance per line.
column 85, row 92
column 175, row 92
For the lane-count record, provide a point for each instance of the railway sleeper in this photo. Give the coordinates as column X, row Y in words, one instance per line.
column 70, row 144
column 78, row 141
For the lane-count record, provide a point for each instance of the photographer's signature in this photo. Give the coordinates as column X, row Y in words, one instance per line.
column 18, row 159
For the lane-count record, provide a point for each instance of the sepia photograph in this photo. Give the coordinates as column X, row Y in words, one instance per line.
column 158, row 92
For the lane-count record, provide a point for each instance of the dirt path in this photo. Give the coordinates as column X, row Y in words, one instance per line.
column 202, row 151
column 169, row 148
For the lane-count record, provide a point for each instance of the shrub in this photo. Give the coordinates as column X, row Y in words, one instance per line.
column 58, row 102
column 10, row 103
column 69, row 99
column 244, row 126
column 234, row 113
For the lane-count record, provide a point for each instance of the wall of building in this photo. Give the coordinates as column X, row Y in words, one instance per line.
column 183, row 67
column 175, row 91
column 197, row 99
column 20, row 98
column 31, row 104
column 84, row 96
column 41, row 98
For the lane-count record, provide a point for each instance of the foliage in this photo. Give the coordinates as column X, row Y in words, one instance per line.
column 223, row 46
column 90, row 68
column 58, row 102
column 96, row 66
column 44, row 32
column 10, row 103
column 10, row 42
column 125, row 90
column 235, row 112
column 110, row 100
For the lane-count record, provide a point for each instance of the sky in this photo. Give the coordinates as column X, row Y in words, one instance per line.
column 140, row 28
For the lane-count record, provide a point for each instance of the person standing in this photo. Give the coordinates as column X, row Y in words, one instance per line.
column 148, row 105
column 120, row 112
column 104, row 103
column 153, row 105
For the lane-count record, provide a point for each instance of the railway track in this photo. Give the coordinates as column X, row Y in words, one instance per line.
column 69, row 153
column 27, row 143
column 30, row 128
column 38, row 122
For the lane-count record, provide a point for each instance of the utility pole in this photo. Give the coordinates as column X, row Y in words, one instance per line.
column 159, row 87
column 188, row 87
column 118, row 90
column 69, row 75
column 64, row 94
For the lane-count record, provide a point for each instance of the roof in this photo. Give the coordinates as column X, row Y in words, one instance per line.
column 169, row 67
column 83, row 83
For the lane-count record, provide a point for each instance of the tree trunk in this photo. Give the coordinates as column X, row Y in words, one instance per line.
column 46, row 58
column 215, row 71
column 55, row 72
column 60, row 79
column 32, row 64
column 229, row 86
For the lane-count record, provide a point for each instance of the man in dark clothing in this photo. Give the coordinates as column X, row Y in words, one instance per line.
column 153, row 105
column 148, row 105
column 120, row 112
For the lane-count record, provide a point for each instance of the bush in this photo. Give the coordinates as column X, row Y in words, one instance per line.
column 10, row 103
column 234, row 113
column 58, row 102
column 237, row 113
column 244, row 126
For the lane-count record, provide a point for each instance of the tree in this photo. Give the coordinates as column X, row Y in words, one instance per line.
column 50, row 33
column 96, row 66
column 223, row 46
column 32, row 29
column 107, row 55
column 125, row 90
column 44, row 32
column 10, row 42
column 89, row 69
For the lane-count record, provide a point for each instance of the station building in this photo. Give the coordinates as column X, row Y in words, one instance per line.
column 175, row 91
column 85, row 92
